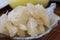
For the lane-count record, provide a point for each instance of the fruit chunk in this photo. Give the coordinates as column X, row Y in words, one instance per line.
column 32, row 24
column 23, row 27
column 19, row 16
column 3, row 22
column 39, row 12
column 41, row 29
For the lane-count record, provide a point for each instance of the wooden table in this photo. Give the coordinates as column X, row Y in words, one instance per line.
column 53, row 35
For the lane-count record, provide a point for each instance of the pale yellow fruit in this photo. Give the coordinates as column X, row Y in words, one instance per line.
column 21, row 33
column 5, row 30
column 7, row 27
column 41, row 29
column 3, row 21
column 18, row 16
column 39, row 13
column 12, row 29
column 15, row 3
column 23, row 27
column 32, row 30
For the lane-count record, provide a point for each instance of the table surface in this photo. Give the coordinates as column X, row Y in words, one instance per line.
column 53, row 35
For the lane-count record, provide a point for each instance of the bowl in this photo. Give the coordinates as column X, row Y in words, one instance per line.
column 54, row 21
